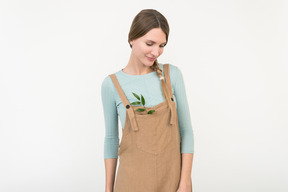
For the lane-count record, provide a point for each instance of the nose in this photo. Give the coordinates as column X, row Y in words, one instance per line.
column 155, row 52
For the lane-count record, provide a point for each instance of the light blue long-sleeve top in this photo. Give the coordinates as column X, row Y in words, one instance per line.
column 149, row 85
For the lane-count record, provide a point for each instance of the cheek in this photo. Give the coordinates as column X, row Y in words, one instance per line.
column 145, row 49
column 141, row 49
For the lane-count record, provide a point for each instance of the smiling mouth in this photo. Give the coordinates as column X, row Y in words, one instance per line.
column 151, row 59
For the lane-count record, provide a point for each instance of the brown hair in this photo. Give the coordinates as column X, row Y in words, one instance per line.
column 143, row 22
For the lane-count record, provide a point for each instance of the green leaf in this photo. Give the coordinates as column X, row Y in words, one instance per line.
column 142, row 100
column 135, row 103
column 140, row 109
column 136, row 96
column 151, row 111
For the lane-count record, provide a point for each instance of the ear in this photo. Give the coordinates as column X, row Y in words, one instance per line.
column 131, row 42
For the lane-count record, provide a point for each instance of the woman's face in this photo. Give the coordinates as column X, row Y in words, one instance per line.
column 149, row 47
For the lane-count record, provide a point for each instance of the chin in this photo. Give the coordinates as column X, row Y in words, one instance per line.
column 149, row 63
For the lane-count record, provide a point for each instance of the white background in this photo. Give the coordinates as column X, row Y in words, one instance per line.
column 54, row 56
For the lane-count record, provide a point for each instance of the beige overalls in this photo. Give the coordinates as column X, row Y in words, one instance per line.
column 149, row 151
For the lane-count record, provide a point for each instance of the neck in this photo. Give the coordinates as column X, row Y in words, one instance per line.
column 135, row 67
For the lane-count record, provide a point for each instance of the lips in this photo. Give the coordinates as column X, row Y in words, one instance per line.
column 150, row 59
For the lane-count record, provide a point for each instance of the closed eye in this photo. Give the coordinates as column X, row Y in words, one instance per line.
column 152, row 44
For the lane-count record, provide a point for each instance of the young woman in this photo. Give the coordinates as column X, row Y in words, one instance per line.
column 157, row 145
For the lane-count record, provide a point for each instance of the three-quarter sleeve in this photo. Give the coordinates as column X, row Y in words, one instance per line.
column 184, row 120
column 111, row 141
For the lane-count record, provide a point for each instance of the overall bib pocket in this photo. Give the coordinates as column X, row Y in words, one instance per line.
column 154, row 133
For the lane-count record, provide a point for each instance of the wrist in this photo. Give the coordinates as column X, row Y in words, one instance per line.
column 108, row 190
column 185, row 182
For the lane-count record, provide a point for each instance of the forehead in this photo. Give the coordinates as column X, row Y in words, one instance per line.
column 156, row 35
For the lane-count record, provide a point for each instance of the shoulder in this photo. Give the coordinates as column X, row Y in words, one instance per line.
column 107, row 84
column 107, row 81
column 175, row 73
column 172, row 68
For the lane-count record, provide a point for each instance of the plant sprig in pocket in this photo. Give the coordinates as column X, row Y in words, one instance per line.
column 141, row 101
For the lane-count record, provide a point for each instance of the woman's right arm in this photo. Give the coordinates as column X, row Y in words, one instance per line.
column 111, row 141
column 110, row 169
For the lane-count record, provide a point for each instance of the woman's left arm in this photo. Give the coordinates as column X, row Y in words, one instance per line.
column 186, row 182
column 185, row 128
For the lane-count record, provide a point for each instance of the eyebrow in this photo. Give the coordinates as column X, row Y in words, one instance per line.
column 155, row 42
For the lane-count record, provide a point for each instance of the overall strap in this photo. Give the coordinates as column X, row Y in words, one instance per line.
column 169, row 86
column 129, row 109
